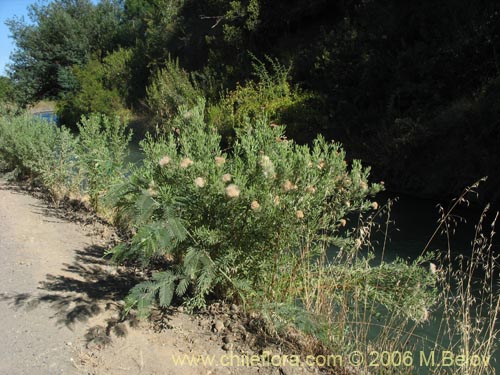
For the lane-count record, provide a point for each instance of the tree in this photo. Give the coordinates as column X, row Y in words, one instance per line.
column 6, row 89
column 61, row 34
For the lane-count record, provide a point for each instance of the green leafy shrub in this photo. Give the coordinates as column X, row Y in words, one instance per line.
column 101, row 151
column 27, row 144
column 253, row 225
column 40, row 151
column 170, row 88
column 272, row 93
column 103, row 87
column 6, row 90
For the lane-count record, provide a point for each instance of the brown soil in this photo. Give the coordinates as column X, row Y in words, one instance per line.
column 60, row 304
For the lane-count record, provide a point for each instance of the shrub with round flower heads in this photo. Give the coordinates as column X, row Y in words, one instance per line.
column 251, row 216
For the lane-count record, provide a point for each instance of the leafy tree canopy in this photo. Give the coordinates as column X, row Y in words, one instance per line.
column 6, row 89
column 59, row 35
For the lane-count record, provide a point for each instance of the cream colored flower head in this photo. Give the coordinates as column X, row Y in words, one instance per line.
column 321, row 164
column 375, row 205
column 288, row 185
column 311, row 189
column 267, row 167
column 363, row 185
column 232, row 191
column 164, row 161
column 254, row 205
column 227, row 177
column 432, row 268
column 299, row 214
column 219, row 160
column 186, row 162
column 276, row 200
column 152, row 192
column 343, row 222
column 200, row 182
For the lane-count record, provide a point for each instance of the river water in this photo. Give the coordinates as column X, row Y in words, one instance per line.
column 414, row 222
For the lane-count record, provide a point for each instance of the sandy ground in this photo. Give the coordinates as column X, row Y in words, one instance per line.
column 59, row 311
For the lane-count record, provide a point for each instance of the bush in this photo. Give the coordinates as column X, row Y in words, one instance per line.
column 40, row 151
column 102, row 88
column 170, row 88
column 273, row 94
column 253, row 226
column 63, row 163
column 101, row 151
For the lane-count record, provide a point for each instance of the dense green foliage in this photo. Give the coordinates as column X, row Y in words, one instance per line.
column 102, row 87
column 6, row 90
column 61, row 34
column 253, row 226
column 402, row 87
column 170, row 88
column 82, row 167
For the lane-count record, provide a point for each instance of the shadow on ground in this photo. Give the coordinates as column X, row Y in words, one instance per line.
column 87, row 288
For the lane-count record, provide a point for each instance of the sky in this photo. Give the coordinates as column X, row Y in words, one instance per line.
column 9, row 9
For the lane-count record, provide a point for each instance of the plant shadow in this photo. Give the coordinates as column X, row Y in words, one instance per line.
column 87, row 290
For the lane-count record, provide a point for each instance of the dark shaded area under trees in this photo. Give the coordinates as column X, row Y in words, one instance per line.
column 411, row 88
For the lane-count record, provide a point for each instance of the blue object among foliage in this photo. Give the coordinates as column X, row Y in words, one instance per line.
column 50, row 116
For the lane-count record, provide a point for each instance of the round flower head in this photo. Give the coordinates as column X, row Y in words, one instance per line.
column 267, row 166
column 232, row 191
column 276, row 200
column 152, row 192
column 311, row 189
column 299, row 214
column 254, row 205
column 227, row 177
column 375, row 205
column 186, row 162
column 200, row 182
column 288, row 185
column 432, row 268
column 343, row 222
column 164, row 161
column 219, row 160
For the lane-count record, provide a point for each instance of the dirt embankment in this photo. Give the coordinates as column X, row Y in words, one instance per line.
column 60, row 307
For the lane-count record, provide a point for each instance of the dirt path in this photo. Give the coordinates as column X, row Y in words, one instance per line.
column 59, row 313
column 35, row 339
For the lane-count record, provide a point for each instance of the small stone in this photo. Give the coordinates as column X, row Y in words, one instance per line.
column 235, row 309
column 180, row 309
column 227, row 347
column 226, row 339
column 218, row 326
